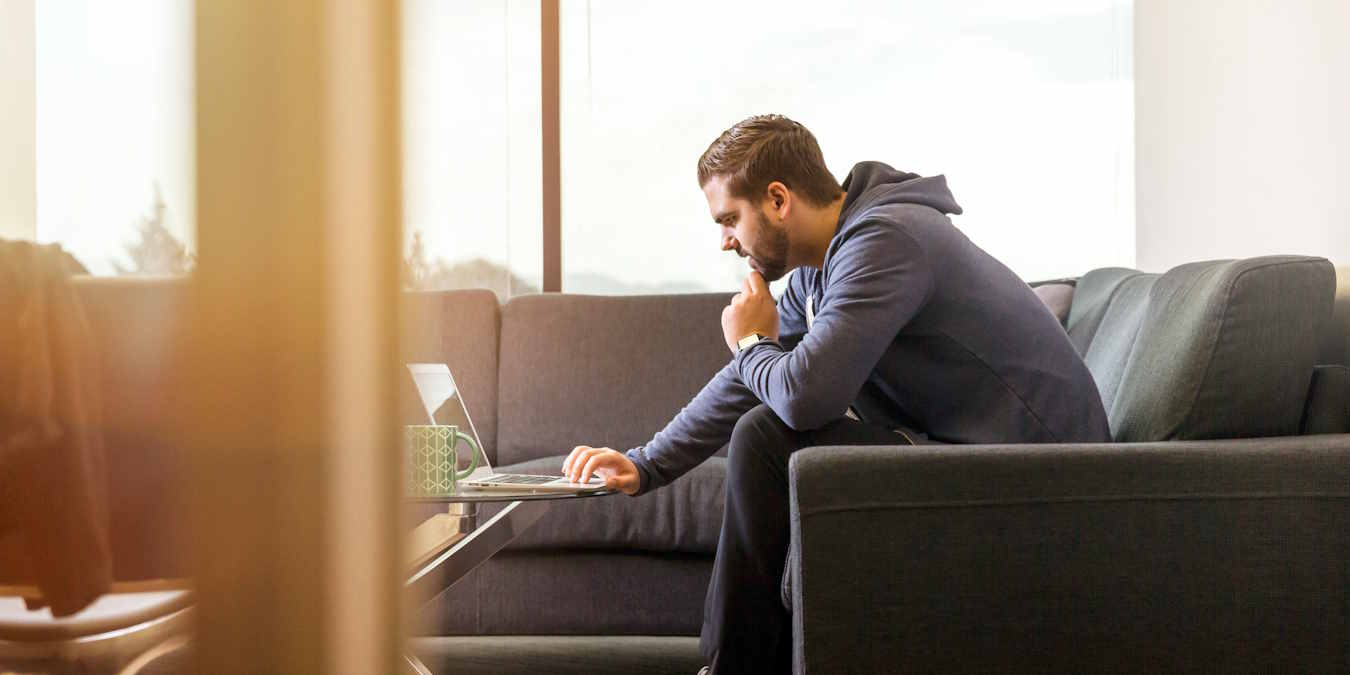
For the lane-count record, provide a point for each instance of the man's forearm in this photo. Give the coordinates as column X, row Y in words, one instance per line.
column 698, row 431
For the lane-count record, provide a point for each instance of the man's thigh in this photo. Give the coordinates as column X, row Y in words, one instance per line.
column 848, row 431
column 761, row 436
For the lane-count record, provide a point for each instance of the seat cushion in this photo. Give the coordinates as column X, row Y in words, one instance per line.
column 110, row 612
column 683, row 517
column 601, row 371
column 1219, row 349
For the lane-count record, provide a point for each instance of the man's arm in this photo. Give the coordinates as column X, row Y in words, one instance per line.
column 697, row 432
column 879, row 279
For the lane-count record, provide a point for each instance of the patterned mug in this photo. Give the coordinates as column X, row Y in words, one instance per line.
column 433, row 457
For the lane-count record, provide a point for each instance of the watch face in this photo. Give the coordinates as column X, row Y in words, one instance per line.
column 748, row 340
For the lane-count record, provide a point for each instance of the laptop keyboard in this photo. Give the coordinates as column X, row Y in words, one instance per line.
column 519, row 479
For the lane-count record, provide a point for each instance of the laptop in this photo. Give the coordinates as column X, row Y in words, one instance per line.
column 443, row 403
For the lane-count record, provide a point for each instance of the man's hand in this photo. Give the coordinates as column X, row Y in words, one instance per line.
column 751, row 311
column 615, row 468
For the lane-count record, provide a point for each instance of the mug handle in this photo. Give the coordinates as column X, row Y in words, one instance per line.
column 473, row 457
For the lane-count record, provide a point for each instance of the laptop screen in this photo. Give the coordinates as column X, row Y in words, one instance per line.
column 443, row 403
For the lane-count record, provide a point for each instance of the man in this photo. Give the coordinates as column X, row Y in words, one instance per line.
column 895, row 329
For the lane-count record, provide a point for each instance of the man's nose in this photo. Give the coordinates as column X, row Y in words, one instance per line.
column 729, row 243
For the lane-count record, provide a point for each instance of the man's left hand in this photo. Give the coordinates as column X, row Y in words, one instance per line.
column 751, row 311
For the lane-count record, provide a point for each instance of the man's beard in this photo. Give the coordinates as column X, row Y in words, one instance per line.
column 771, row 248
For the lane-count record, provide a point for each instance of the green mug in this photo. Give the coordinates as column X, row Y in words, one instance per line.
column 433, row 457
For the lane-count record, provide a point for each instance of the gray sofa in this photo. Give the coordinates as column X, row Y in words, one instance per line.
column 1215, row 534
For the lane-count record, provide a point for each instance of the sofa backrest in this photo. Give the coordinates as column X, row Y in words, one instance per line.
column 601, row 371
column 133, row 324
column 460, row 329
column 1219, row 349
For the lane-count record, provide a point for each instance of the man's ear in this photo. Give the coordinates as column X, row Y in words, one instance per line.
column 780, row 199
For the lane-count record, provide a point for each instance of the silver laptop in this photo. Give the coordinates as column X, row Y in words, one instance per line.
column 444, row 404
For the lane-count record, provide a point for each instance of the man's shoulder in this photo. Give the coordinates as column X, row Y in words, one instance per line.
column 896, row 229
column 916, row 221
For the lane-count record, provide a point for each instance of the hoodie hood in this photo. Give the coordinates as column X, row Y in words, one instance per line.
column 872, row 184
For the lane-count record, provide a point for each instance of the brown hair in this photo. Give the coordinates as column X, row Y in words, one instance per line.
column 765, row 148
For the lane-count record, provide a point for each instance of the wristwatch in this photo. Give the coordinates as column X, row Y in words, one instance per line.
column 748, row 340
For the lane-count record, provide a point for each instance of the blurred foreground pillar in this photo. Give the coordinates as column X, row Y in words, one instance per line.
column 289, row 380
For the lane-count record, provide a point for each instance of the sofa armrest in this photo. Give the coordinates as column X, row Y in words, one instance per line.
column 1215, row 556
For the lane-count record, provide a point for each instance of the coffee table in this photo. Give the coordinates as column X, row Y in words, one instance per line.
column 447, row 546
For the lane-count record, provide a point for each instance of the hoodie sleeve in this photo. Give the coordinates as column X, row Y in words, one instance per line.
column 705, row 425
column 877, row 280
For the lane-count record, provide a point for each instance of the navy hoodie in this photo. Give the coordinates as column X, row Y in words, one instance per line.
column 913, row 325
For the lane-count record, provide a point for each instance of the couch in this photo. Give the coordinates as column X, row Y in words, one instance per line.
column 1215, row 533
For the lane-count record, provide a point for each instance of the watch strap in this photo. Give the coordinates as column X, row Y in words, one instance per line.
column 748, row 340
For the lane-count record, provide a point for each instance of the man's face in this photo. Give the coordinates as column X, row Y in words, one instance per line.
column 746, row 230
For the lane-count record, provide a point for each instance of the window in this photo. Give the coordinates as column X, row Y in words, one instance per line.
column 1026, row 107
column 114, row 129
column 471, row 150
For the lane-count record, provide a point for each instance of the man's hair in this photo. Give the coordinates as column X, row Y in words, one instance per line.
column 765, row 148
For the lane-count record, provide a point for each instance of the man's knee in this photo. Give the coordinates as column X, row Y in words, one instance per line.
column 758, row 432
column 758, row 422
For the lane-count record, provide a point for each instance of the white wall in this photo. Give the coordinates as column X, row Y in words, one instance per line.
column 18, row 186
column 1243, row 129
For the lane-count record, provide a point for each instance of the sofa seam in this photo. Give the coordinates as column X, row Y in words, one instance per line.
column 1110, row 299
column 987, row 503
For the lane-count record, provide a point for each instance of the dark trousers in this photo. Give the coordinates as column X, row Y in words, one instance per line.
column 745, row 627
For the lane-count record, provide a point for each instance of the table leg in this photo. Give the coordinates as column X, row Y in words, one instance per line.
column 438, row 533
column 448, row 546
column 414, row 665
column 439, row 569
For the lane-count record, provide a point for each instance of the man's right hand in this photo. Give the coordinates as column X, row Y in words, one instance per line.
column 618, row 472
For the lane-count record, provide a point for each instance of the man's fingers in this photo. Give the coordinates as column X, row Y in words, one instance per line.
column 757, row 284
column 578, row 462
column 576, row 459
column 567, row 463
column 746, row 287
column 592, row 464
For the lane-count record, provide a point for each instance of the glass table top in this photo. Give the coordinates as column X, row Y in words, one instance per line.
column 472, row 496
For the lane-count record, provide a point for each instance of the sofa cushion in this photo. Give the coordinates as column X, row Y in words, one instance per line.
column 1328, row 408
column 601, row 371
column 1336, row 345
column 1117, row 327
column 1219, row 349
column 1058, row 298
column 1091, row 298
column 683, row 517
column 459, row 329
